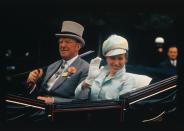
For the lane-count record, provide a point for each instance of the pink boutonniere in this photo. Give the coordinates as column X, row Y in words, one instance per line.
column 71, row 70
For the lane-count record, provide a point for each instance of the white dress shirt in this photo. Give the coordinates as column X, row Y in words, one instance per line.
column 173, row 62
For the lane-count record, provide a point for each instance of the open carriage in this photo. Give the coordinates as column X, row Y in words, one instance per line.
column 154, row 102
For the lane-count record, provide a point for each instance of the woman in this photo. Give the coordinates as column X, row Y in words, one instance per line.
column 111, row 81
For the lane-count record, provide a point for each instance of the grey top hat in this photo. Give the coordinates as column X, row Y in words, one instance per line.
column 73, row 30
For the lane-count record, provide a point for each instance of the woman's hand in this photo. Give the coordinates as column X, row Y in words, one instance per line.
column 85, row 85
column 93, row 70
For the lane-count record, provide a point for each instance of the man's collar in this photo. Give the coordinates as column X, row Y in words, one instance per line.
column 69, row 62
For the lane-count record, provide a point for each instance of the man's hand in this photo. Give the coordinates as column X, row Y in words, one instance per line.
column 34, row 76
column 47, row 100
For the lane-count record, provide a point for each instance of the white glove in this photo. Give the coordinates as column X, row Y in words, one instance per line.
column 93, row 70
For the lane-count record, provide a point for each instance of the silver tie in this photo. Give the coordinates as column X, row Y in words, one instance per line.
column 56, row 76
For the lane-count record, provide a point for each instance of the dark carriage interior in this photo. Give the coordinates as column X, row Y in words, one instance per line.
column 28, row 42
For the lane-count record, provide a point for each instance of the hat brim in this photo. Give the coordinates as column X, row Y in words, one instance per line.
column 72, row 36
column 115, row 52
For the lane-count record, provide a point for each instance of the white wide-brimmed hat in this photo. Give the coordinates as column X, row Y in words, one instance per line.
column 72, row 29
column 114, row 45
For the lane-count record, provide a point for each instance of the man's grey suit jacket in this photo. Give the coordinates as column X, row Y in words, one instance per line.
column 65, row 86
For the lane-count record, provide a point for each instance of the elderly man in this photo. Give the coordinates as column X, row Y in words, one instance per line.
column 61, row 78
column 57, row 82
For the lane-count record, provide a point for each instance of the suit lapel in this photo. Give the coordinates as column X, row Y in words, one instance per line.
column 62, row 79
column 58, row 83
column 51, row 71
column 76, row 63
